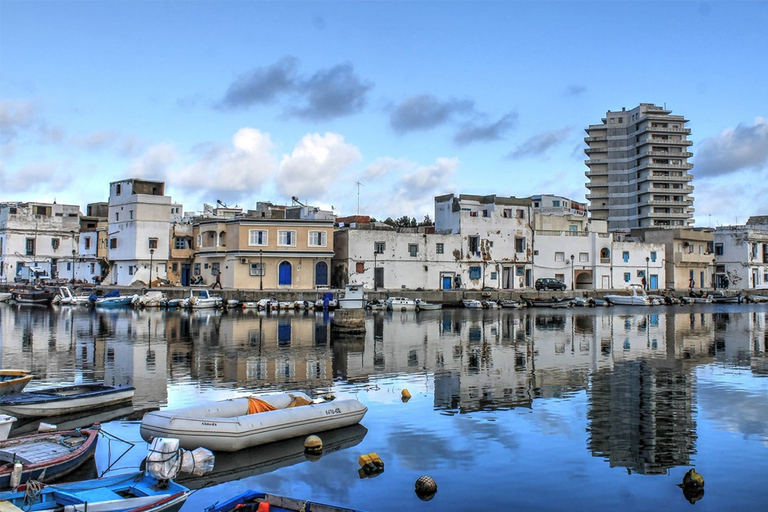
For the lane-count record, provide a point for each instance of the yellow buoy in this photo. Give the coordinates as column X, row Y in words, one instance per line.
column 313, row 444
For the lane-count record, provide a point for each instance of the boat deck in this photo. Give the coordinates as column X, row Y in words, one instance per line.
column 42, row 450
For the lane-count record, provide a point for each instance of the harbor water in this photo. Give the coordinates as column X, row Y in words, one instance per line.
column 534, row 409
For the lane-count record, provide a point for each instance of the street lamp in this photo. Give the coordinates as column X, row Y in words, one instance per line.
column 375, row 253
column 151, row 254
column 647, row 276
column 73, row 266
column 572, row 275
column 261, row 270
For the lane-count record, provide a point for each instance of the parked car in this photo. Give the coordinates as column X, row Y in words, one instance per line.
column 549, row 283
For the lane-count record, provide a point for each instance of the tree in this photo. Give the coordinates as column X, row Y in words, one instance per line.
column 427, row 221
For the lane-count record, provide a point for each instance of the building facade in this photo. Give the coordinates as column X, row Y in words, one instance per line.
column 639, row 175
column 741, row 255
column 689, row 261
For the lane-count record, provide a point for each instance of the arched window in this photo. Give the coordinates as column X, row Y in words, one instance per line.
column 605, row 255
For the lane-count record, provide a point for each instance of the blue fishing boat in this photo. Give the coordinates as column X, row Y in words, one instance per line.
column 113, row 299
column 134, row 492
column 249, row 502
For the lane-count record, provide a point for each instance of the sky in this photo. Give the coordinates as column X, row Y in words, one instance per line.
column 370, row 107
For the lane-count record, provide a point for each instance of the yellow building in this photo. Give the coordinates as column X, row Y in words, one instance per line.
column 252, row 252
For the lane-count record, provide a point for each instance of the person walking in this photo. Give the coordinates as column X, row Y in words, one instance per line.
column 218, row 281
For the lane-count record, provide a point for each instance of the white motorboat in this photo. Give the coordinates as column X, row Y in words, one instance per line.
column 268, row 303
column 513, row 304
column 422, row 305
column 66, row 297
column 401, row 304
column 472, row 303
column 354, row 297
column 5, row 296
column 204, row 299
column 238, row 423
column 635, row 297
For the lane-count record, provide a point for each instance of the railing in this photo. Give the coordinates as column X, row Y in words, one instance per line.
column 551, row 232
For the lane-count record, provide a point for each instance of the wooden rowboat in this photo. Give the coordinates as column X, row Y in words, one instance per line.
column 46, row 457
column 64, row 400
column 13, row 381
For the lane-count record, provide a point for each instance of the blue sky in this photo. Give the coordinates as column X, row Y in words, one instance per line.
column 245, row 101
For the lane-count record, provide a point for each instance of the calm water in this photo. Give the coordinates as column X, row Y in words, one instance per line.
column 585, row 409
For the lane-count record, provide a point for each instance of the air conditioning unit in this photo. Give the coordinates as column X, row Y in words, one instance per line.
column 243, row 260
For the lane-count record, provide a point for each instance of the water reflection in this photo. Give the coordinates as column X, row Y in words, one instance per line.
column 636, row 367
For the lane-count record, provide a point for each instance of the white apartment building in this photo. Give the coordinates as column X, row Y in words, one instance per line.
column 496, row 238
column 41, row 236
column 638, row 169
column 741, row 254
column 138, row 236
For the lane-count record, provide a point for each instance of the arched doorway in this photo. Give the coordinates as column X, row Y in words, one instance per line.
column 321, row 274
column 284, row 274
column 584, row 280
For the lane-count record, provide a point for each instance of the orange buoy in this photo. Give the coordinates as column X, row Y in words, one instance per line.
column 263, row 507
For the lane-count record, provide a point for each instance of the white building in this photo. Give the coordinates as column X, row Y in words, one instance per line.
column 635, row 262
column 138, row 236
column 37, row 235
column 496, row 238
column 741, row 254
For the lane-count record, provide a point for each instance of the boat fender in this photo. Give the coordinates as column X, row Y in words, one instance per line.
column 18, row 468
column 263, row 507
column 405, row 395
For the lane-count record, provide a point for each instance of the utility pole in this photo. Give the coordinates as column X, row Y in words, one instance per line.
column 358, row 197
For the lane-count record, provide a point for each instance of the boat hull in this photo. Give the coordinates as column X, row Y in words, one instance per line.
column 13, row 381
column 624, row 300
column 64, row 400
column 48, row 456
column 282, row 503
column 226, row 426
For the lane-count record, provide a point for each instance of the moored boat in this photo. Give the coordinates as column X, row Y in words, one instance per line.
column 472, row 303
column 423, row 305
column 552, row 302
column 401, row 304
column 13, row 381
column 66, row 297
column 635, row 297
column 113, row 299
column 132, row 492
column 46, row 457
column 234, row 424
column 64, row 399
column 5, row 296
column 152, row 299
column 6, row 422
column 354, row 297
column 249, row 501
column 204, row 300
column 513, row 304
column 32, row 296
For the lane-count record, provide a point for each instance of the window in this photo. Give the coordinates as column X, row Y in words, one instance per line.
column 130, row 214
column 494, row 276
column 117, row 216
column 556, row 203
column 118, row 189
column 439, row 248
column 718, row 249
column 475, row 273
column 257, row 237
column 519, row 244
column 520, row 214
column 653, row 256
column 474, row 244
column 215, row 269
column 641, row 273
column 507, row 213
column 93, row 268
column 256, row 269
column 625, row 256
column 559, row 256
column 153, row 243
column 627, row 277
column 174, row 267
column 30, row 247
column 378, row 247
column 360, row 267
column 486, row 213
column 413, row 250
column 199, row 240
column 180, row 243
column 196, row 269
column 286, row 238
column 317, row 239
column 113, row 243
column 55, row 243
column 573, row 227
column 87, row 243
column 560, row 277
column 520, row 270
column 131, row 270
column 583, row 256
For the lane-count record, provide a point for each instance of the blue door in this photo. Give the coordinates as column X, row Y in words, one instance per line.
column 447, row 282
column 321, row 274
column 185, row 275
column 284, row 274
column 654, row 282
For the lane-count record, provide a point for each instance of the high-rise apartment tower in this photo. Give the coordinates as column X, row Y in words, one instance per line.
column 638, row 169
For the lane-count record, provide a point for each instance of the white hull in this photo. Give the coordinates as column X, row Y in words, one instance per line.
column 5, row 296
column 352, row 303
column 226, row 425
column 472, row 304
column 627, row 300
column 57, row 408
column 401, row 304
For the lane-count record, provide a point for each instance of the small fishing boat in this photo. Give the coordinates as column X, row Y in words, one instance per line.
column 64, row 400
column 268, row 303
column 152, row 299
column 376, row 305
column 113, row 299
column 303, row 304
column 46, row 457
column 512, row 304
column 552, row 302
column 722, row 298
column 249, row 502
column 133, row 492
column 13, row 381
column 5, row 296
column 32, row 296
column 635, row 297
column 422, row 305
column 490, row 304
column 401, row 304
column 237, row 423
column 5, row 426
column 66, row 297
column 354, row 297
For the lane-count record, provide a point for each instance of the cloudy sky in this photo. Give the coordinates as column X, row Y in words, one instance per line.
column 372, row 105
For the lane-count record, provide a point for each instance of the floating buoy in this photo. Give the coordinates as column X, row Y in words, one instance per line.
column 370, row 465
column 426, row 488
column 313, row 444
column 693, row 486
column 405, row 395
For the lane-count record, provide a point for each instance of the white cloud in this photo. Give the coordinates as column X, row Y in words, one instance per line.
column 154, row 163
column 735, row 149
column 315, row 164
column 386, row 165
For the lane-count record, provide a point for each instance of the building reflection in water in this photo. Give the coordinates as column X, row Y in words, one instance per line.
column 636, row 366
